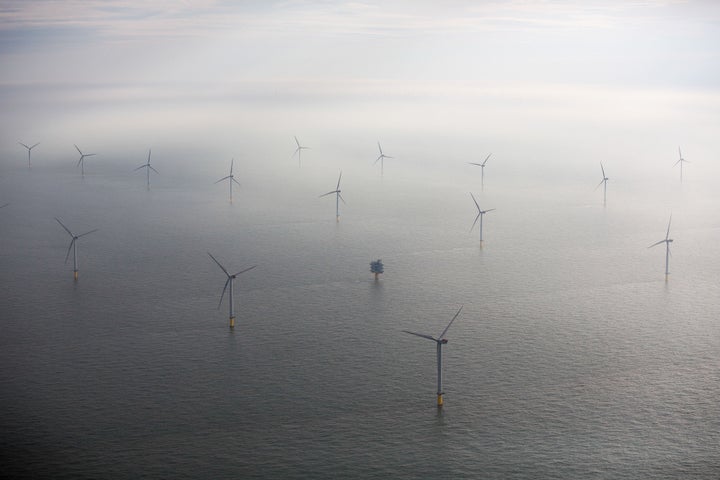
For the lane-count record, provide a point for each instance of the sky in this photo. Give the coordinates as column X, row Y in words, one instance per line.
column 570, row 79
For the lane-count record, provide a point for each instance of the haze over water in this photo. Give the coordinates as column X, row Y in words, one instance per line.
column 573, row 357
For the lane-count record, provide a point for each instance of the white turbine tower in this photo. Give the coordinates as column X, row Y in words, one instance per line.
column 230, row 178
column 149, row 167
column 81, row 162
column 73, row 246
column 603, row 182
column 298, row 150
column 29, row 149
column 667, row 241
column 338, row 197
column 680, row 161
column 229, row 282
column 381, row 159
column 482, row 170
column 440, row 341
column 480, row 215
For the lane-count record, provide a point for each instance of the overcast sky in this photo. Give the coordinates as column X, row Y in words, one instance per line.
column 649, row 59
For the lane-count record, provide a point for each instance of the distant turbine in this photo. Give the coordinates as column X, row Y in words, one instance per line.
column 603, row 182
column 231, row 179
column 28, row 149
column 681, row 160
column 667, row 241
column 81, row 162
column 149, row 167
column 480, row 215
column 440, row 341
column 381, row 159
column 482, row 170
column 338, row 197
column 3, row 206
column 299, row 150
column 229, row 282
column 73, row 246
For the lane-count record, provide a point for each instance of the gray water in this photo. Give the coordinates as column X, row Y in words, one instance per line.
column 573, row 357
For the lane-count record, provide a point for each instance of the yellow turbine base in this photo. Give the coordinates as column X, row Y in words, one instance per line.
column 440, row 400
column 75, row 275
column 232, row 322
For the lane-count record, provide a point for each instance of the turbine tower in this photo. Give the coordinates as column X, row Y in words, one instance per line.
column 381, row 159
column 81, row 162
column 681, row 160
column 603, row 182
column 667, row 241
column 229, row 282
column 29, row 149
column 231, row 179
column 482, row 171
column 298, row 150
column 338, row 197
column 480, row 215
column 73, row 247
column 149, row 167
column 440, row 341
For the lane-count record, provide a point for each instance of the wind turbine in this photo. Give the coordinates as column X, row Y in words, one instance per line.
column 81, row 162
column 73, row 246
column 603, row 182
column 299, row 150
column 440, row 341
column 667, row 241
column 231, row 178
column 482, row 170
column 5, row 205
column 338, row 197
column 229, row 282
column 28, row 149
column 681, row 160
column 480, row 215
column 149, row 167
column 381, row 159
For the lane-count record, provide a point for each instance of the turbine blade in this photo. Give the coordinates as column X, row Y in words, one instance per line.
column 341, row 198
column 476, row 219
column 603, row 170
column 218, row 264
column 656, row 243
column 25, row 145
column 486, row 159
column 476, row 164
column 67, row 255
column 35, row 145
column 151, row 168
column 601, row 182
column 79, row 161
column 476, row 204
column 149, row 152
column 667, row 235
column 488, row 210
column 90, row 154
column 377, row 160
column 243, row 271
column 224, row 178
column 451, row 321
column 223, row 292
column 421, row 335
column 233, row 180
column 298, row 143
column 141, row 166
column 338, row 184
column 231, row 165
column 66, row 229
column 328, row 193
column 88, row 233
column 677, row 162
column 76, row 148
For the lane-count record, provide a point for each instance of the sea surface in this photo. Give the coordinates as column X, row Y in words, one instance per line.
column 573, row 356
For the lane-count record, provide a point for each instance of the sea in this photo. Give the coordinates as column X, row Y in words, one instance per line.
column 574, row 356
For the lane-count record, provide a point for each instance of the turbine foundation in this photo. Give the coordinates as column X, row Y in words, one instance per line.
column 440, row 400
column 232, row 322
column 75, row 274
